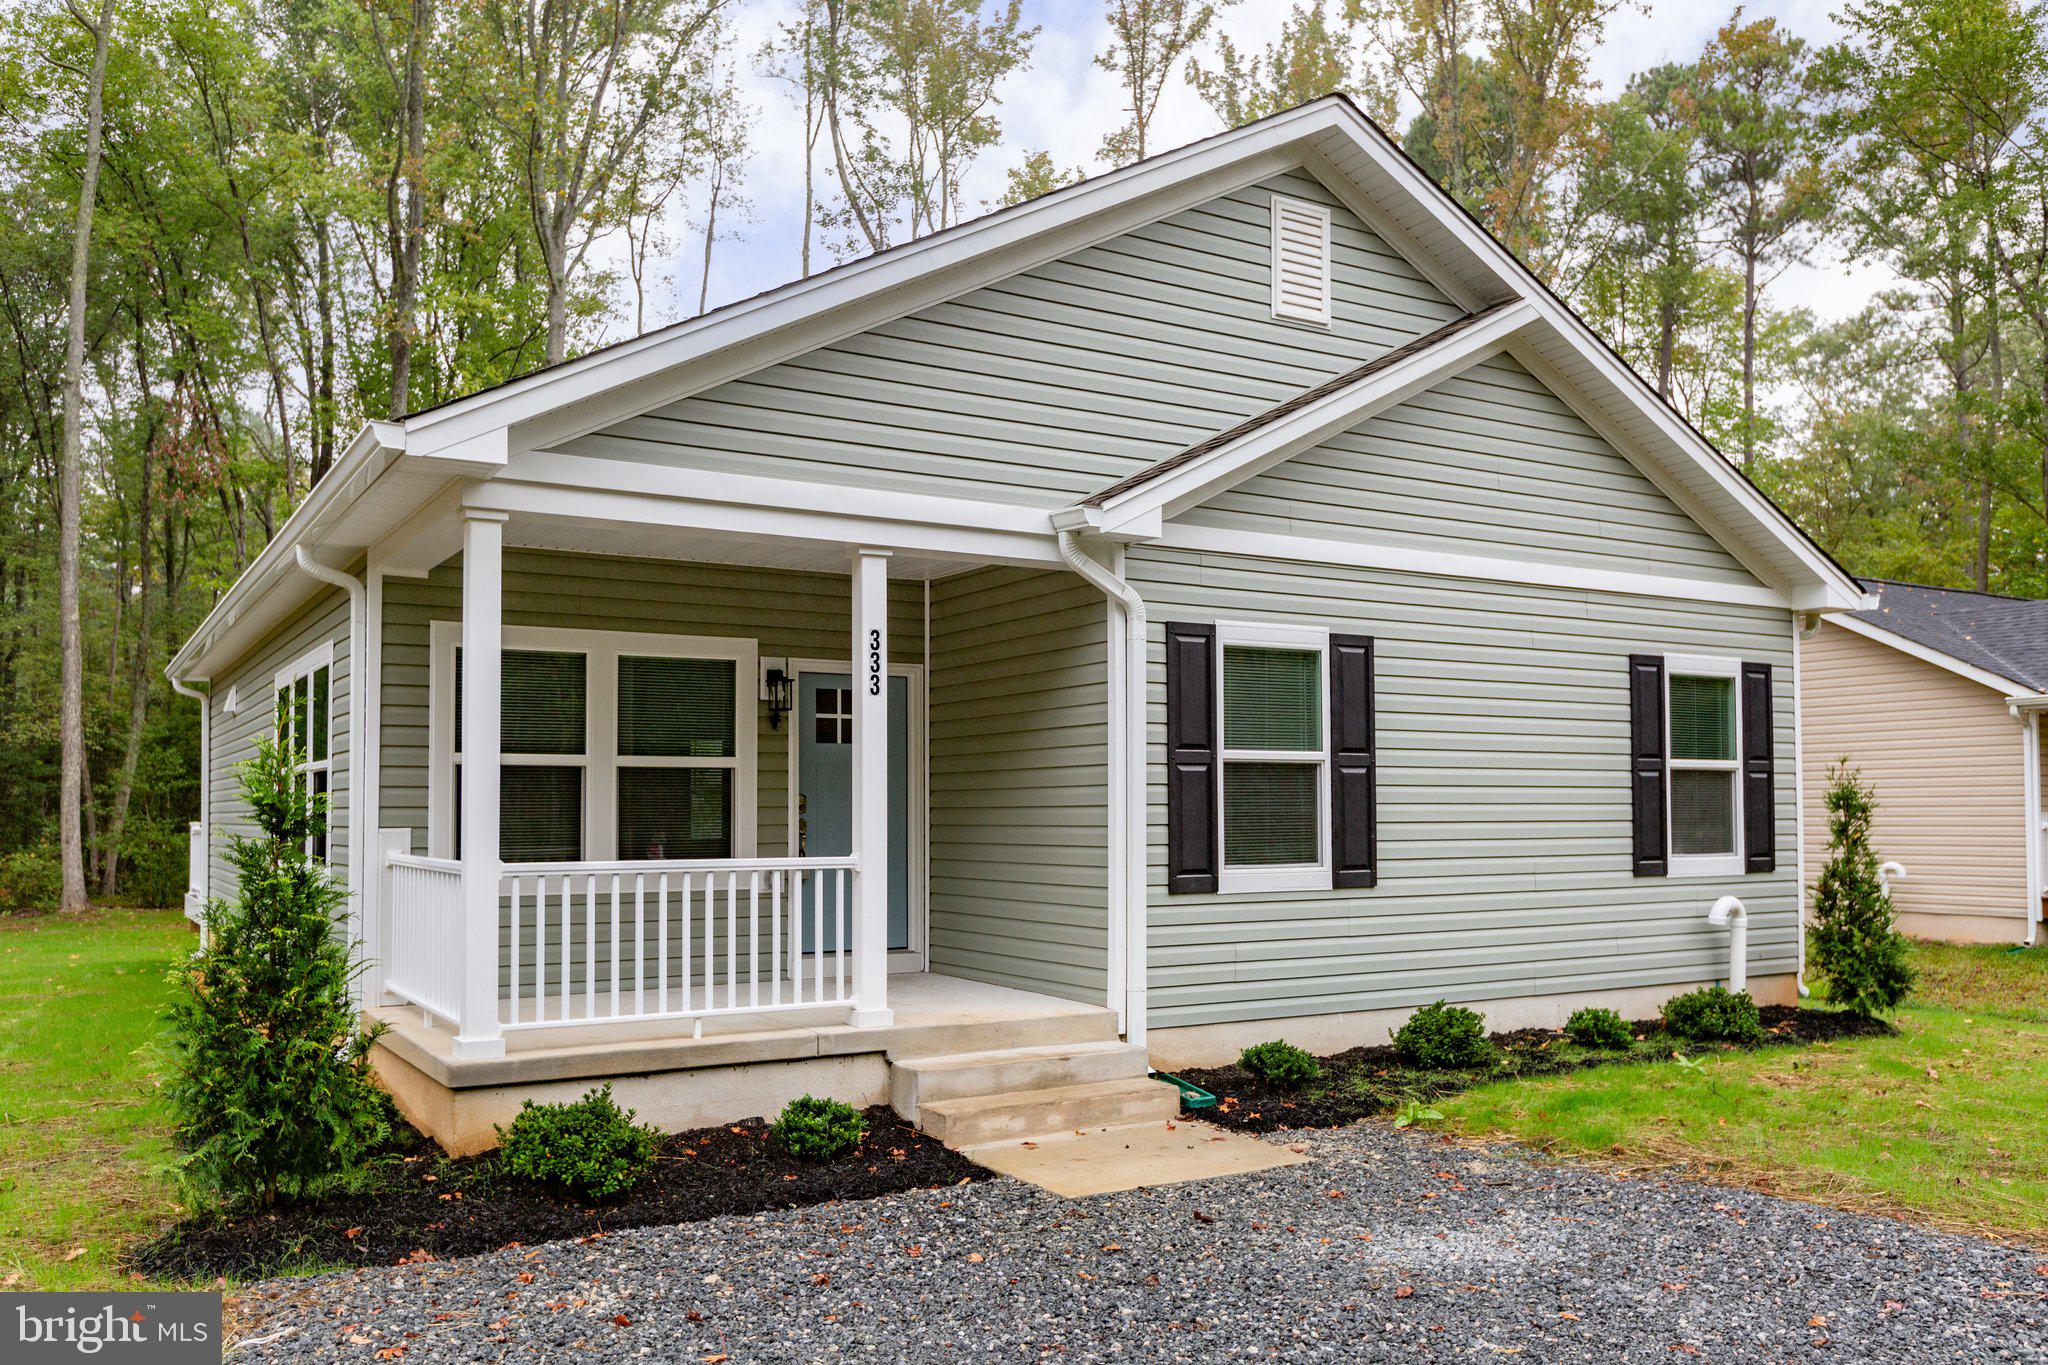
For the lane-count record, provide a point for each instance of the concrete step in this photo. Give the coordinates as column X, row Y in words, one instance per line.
column 972, row 1120
column 915, row 1081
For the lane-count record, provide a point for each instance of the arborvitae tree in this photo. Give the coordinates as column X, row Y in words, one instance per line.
column 1857, row 947
column 272, row 1089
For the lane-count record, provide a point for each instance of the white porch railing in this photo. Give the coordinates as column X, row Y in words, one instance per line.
column 596, row 943
column 422, row 931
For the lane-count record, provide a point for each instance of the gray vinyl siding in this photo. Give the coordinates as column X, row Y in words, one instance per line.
column 1485, row 463
column 797, row 615
column 1019, row 782
column 1504, row 811
column 1060, row 379
column 233, row 738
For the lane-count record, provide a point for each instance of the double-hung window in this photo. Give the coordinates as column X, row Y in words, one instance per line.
column 1274, row 704
column 1702, row 766
column 305, row 703
column 614, row 745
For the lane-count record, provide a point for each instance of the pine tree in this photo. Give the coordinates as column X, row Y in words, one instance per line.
column 1857, row 947
column 273, row 1089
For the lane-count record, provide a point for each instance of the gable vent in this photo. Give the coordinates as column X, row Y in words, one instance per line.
column 1301, row 261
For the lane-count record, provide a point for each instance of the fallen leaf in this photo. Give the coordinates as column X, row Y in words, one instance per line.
column 974, row 1256
column 621, row 1320
column 74, row 1253
column 1406, row 1291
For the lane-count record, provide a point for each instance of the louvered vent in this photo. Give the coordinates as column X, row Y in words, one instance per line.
column 1301, row 261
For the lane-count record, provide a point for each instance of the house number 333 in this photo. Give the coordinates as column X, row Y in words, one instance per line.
column 874, row 663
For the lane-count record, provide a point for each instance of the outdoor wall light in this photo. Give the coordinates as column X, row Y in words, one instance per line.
column 778, row 689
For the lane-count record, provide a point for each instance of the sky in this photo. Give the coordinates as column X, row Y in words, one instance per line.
column 1064, row 103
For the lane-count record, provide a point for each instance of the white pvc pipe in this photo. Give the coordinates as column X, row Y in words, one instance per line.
column 1887, row 871
column 1729, row 912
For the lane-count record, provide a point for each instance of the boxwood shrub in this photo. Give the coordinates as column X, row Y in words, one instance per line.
column 1599, row 1028
column 1714, row 1014
column 1280, row 1064
column 590, row 1147
column 1444, row 1036
column 817, row 1130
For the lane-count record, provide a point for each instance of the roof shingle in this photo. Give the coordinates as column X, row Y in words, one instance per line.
column 2003, row 635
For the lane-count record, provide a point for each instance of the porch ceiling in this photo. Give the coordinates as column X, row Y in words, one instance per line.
column 715, row 547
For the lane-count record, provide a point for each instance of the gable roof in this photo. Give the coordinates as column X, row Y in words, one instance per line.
column 393, row 470
column 2006, row 637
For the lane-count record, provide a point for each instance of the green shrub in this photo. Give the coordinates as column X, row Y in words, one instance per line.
column 1858, row 951
column 270, row 1085
column 1714, row 1014
column 1601, row 1028
column 1280, row 1064
column 590, row 1147
column 30, row 880
column 155, row 864
column 817, row 1130
column 1444, row 1036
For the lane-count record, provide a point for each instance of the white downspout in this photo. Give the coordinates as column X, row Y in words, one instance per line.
column 185, row 689
column 2030, row 782
column 1800, row 630
column 360, row 841
column 1134, row 833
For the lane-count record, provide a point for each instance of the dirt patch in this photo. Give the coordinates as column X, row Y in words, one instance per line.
column 421, row 1206
column 1366, row 1081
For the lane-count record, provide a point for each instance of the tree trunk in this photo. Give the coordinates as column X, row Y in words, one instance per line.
column 138, row 673
column 1748, row 357
column 71, row 700
column 406, row 233
column 710, row 236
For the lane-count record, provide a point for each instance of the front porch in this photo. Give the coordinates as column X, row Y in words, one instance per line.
column 726, row 1067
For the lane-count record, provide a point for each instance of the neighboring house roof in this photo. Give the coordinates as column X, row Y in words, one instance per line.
column 399, row 474
column 1261, row 420
column 2003, row 636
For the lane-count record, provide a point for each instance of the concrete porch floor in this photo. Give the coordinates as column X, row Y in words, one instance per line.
column 744, row 1066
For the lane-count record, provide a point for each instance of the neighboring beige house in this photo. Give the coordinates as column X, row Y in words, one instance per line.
column 1936, row 696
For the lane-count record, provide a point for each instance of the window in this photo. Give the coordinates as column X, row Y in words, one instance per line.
column 834, row 724
column 615, row 745
column 1702, row 717
column 1301, row 261
column 1274, row 701
column 305, row 698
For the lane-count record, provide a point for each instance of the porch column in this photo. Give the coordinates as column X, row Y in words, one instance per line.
column 871, row 789
column 483, row 632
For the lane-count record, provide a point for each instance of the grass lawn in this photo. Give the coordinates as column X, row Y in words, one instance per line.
column 82, row 1137
column 1941, row 1125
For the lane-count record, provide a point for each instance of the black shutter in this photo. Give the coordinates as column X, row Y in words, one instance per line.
column 1759, row 812
column 1354, row 825
column 1190, row 758
column 1646, row 762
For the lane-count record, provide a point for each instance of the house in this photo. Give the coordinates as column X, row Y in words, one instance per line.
column 1226, row 598
column 1935, row 697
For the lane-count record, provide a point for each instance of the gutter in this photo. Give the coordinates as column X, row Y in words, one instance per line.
column 1133, row 842
column 357, row 790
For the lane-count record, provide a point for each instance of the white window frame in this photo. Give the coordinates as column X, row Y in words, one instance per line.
column 1313, row 876
column 1703, row 864
column 305, row 666
column 600, row 758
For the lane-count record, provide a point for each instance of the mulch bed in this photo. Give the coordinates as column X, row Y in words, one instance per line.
column 422, row 1206
column 1367, row 1081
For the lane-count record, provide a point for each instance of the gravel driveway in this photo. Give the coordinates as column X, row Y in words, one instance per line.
column 1391, row 1245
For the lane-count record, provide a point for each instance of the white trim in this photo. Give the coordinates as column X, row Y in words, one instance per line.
column 1451, row 564
column 1289, row 877
column 1927, row 653
column 916, row 957
column 1694, row 865
column 1318, row 215
column 1176, row 490
column 306, row 666
column 600, row 757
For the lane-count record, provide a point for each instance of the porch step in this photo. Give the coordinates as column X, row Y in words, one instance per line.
column 915, row 1081
column 973, row 1120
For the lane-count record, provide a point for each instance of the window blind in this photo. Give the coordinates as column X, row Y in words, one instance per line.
column 543, row 706
column 1269, row 813
column 676, row 708
column 675, row 813
column 1272, row 699
column 1702, row 718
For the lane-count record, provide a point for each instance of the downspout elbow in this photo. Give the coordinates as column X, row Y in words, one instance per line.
column 1108, row 583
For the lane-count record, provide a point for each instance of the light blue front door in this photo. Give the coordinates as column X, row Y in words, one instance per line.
column 824, row 768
